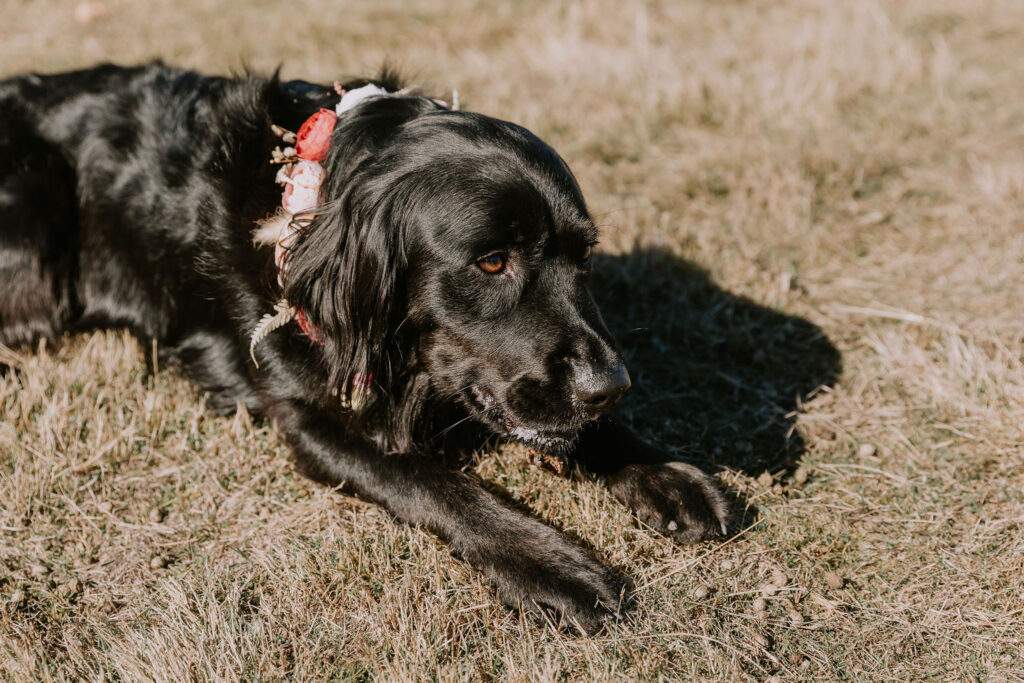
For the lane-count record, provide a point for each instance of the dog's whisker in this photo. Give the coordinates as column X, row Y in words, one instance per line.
column 399, row 326
column 452, row 426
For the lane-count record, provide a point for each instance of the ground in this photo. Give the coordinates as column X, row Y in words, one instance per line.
column 813, row 252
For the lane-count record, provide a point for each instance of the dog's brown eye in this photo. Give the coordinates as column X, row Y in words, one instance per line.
column 493, row 263
column 587, row 254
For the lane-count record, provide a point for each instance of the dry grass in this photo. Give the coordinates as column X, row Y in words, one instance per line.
column 760, row 171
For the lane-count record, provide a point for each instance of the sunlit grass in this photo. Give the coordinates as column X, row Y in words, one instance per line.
column 763, row 174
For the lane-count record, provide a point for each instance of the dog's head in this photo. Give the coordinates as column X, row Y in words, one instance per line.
column 457, row 248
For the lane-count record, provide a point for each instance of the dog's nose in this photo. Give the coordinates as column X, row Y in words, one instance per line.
column 599, row 391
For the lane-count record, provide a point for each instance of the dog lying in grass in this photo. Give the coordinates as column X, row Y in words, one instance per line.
column 419, row 284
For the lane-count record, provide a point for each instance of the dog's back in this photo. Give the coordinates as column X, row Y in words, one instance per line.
column 38, row 214
column 103, row 176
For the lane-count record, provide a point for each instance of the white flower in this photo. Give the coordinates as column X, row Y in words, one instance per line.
column 283, row 174
column 352, row 97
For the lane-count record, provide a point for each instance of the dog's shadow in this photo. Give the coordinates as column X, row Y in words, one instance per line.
column 716, row 377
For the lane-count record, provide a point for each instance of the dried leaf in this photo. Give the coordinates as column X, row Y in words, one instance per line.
column 282, row 315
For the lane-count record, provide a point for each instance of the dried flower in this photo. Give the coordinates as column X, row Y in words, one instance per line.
column 314, row 136
column 302, row 188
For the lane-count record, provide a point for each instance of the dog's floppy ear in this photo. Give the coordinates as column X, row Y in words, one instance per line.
column 346, row 265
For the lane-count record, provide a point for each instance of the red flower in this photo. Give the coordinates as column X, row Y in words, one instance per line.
column 315, row 135
column 308, row 328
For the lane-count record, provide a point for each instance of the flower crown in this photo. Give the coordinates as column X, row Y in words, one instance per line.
column 301, row 174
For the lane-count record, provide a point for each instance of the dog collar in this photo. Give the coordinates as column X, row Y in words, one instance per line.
column 301, row 174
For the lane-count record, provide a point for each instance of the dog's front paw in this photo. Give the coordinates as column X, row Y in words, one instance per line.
column 675, row 498
column 547, row 574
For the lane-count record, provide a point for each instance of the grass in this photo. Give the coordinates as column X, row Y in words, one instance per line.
column 813, row 252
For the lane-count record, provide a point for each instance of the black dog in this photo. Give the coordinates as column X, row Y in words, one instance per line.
column 445, row 272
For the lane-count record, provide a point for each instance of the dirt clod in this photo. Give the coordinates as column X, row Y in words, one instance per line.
column 833, row 580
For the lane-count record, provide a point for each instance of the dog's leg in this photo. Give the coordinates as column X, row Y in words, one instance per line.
column 214, row 361
column 37, row 236
column 533, row 566
column 675, row 498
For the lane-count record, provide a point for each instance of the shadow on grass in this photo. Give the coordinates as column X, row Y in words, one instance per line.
column 716, row 377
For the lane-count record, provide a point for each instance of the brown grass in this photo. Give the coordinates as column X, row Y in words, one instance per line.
column 761, row 172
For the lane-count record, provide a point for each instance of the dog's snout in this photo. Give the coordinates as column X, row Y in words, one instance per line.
column 599, row 390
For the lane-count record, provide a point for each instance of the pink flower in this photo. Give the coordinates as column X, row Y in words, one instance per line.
column 314, row 137
column 302, row 189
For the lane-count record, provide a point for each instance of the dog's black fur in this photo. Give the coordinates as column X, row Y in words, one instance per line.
column 129, row 196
